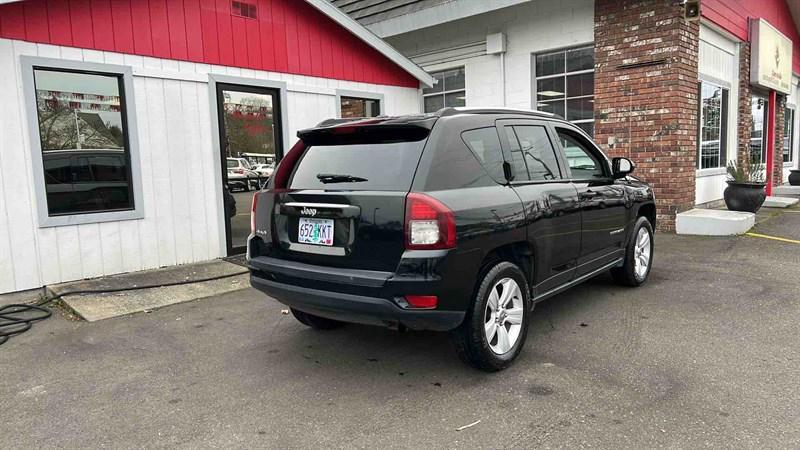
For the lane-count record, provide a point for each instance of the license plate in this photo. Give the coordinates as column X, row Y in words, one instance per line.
column 315, row 231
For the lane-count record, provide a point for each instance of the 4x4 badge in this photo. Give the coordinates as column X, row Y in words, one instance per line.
column 308, row 211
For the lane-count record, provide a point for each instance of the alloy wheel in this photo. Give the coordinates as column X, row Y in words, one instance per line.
column 502, row 322
column 641, row 253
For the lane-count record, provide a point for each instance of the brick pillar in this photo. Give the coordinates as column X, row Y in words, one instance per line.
column 646, row 99
column 745, row 105
column 777, row 166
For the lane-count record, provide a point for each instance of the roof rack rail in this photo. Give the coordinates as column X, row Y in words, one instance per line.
column 451, row 111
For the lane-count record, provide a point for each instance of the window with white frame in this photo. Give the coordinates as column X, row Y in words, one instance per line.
column 83, row 141
column 788, row 135
column 713, row 142
column 565, row 85
column 449, row 90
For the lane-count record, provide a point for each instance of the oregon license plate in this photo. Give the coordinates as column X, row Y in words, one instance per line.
column 315, row 231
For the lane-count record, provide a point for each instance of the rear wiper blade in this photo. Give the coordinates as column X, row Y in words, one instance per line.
column 339, row 178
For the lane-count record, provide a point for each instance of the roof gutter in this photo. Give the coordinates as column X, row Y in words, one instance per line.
column 338, row 16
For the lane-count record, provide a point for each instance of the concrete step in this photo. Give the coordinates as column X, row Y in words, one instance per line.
column 786, row 191
column 92, row 307
column 780, row 202
column 714, row 222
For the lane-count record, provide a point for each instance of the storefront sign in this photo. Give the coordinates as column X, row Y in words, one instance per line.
column 770, row 57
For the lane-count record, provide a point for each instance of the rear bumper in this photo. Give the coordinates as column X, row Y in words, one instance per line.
column 355, row 308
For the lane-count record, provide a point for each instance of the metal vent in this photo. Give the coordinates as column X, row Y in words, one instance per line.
column 244, row 9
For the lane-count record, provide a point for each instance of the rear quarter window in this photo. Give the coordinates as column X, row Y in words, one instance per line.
column 382, row 166
column 485, row 144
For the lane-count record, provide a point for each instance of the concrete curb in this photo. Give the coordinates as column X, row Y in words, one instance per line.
column 94, row 307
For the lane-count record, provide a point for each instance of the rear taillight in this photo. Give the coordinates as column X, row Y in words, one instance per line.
column 429, row 225
column 284, row 169
column 239, row 170
column 422, row 301
column 253, row 214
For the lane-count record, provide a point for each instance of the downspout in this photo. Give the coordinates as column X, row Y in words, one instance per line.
column 503, row 75
column 496, row 45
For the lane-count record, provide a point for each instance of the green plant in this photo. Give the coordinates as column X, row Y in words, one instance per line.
column 746, row 172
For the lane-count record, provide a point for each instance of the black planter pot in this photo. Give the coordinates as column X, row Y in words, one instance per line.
column 746, row 197
column 794, row 177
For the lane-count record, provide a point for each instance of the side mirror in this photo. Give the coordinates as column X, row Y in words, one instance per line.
column 622, row 167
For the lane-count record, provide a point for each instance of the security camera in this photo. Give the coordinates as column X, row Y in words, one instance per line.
column 691, row 10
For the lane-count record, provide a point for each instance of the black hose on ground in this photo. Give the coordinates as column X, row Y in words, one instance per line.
column 19, row 318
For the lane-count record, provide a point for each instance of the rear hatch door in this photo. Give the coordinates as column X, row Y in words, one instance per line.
column 344, row 203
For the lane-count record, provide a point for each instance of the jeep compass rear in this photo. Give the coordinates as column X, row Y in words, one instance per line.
column 420, row 222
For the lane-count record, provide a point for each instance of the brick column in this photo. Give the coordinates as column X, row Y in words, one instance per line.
column 745, row 105
column 646, row 100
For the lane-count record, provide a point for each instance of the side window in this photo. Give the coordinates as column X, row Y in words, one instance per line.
column 485, row 144
column 518, row 167
column 538, row 153
column 582, row 161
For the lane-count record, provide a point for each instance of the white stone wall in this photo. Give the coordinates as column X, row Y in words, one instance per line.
column 533, row 27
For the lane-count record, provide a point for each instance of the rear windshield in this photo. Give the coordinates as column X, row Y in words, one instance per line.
column 372, row 167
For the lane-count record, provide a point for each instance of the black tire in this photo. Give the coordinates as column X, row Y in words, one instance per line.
column 316, row 322
column 627, row 275
column 470, row 338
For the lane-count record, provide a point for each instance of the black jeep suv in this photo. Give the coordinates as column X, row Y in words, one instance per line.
column 456, row 221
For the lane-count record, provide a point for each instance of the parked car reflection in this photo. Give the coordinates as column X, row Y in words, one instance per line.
column 86, row 180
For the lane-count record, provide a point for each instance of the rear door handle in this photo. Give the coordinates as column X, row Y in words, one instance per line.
column 587, row 195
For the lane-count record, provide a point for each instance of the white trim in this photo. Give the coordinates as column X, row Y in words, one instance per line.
column 338, row 16
column 27, row 64
column 444, row 12
column 380, row 98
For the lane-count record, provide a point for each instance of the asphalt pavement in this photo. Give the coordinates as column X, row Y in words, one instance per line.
column 705, row 355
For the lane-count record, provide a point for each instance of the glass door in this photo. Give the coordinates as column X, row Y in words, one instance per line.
column 250, row 144
column 758, row 131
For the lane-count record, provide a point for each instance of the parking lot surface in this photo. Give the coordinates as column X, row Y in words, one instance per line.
column 705, row 355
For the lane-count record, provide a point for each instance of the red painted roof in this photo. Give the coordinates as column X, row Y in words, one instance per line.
column 288, row 36
column 732, row 15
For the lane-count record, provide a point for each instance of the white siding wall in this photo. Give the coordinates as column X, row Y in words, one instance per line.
column 532, row 27
column 718, row 63
column 179, row 182
column 794, row 102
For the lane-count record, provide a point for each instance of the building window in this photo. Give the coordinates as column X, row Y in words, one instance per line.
column 448, row 91
column 244, row 9
column 788, row 135
column 713, row 126
column 359, row 107
column 82, row 131
column 565, row 85
column 758, row 136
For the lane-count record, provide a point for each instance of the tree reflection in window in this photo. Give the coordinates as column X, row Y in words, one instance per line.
column 83, row 141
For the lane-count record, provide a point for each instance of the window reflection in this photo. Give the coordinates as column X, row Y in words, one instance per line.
column 83, row 139
column 713, row 125
column 353, row 107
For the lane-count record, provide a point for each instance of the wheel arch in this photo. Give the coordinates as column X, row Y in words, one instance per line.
column 648, row 211
column 520, row 253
